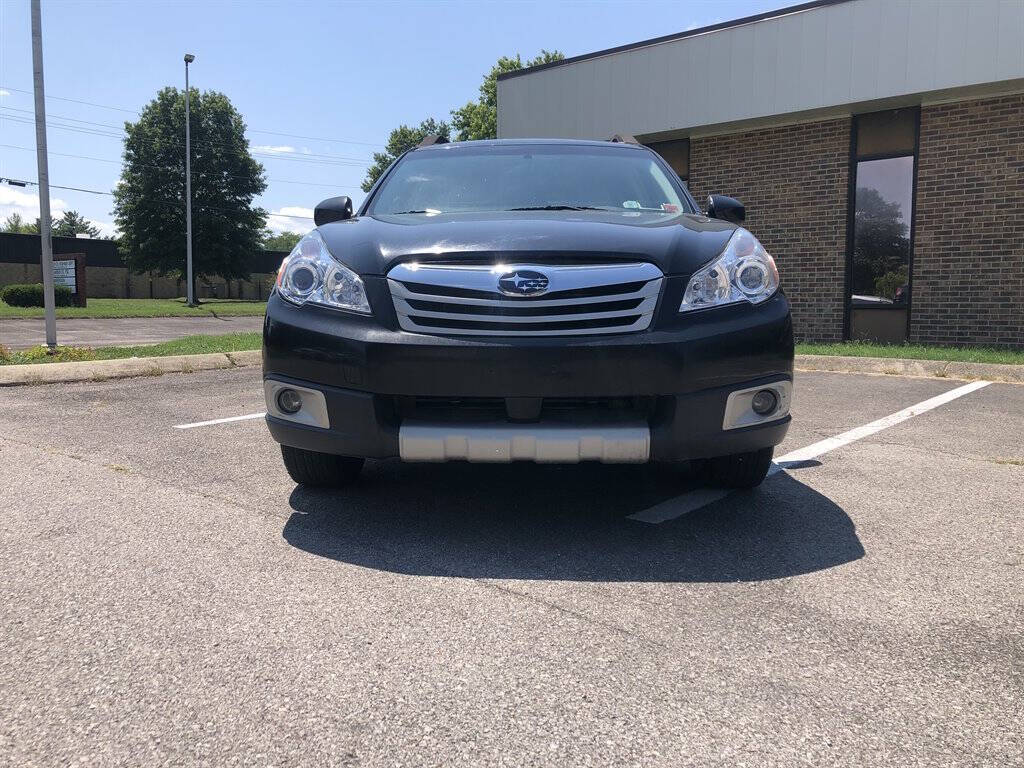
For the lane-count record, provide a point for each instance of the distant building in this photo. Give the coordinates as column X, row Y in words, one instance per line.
column 877, row 144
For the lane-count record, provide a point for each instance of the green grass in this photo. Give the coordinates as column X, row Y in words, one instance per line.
column 145, row 308
column 189, row 345
column 915, row 352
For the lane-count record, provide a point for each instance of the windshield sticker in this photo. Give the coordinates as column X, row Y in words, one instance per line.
column 670, row 208
column 630, row 204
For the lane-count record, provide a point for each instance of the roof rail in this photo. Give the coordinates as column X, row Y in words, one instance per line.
column 624, row 138
column 432, row 138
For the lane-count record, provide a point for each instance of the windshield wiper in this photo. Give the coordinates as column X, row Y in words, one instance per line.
column 399, row 213
column 558, row 208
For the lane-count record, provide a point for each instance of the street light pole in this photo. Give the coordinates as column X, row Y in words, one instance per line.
column 189, row 58
column 43, row 169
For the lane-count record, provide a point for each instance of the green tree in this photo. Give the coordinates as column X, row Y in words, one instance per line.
column 149, row 201
column 73, row 223
column 282, row 241
column 401, row 140
column 16, row 225
column 479, row 119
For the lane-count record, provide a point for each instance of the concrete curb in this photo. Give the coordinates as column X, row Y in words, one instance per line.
column 98, row 370
column 892, row 366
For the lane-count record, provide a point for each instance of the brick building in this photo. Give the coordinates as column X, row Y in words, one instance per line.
column 878, row 146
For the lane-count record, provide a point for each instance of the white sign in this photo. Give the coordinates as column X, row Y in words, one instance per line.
column 64, row 273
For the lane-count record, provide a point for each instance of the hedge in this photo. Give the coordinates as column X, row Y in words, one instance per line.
column 32, row 295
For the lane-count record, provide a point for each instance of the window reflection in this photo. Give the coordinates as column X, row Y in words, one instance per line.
column 881, row 249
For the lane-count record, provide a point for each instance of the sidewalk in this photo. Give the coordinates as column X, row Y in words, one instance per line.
column 21, row 333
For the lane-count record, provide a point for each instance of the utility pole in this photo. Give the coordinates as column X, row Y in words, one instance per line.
column 189, row 58
column 44, row 178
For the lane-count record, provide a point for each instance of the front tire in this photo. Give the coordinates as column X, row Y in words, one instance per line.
column 320, row 470
column 740, row 470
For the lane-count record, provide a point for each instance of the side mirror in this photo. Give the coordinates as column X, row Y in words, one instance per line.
column 726, row 208
column 333, row 209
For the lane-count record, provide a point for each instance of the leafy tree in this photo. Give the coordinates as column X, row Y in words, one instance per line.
column 282, row 241
column 887, row 285
column 73, row 223
column 149, row 201
column 17, row 225
column 881, row 244
column 401, row 140
column 479, row 119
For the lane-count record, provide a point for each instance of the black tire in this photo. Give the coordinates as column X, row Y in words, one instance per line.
column 323, row 470
column 741, row 470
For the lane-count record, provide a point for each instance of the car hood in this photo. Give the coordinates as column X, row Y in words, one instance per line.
column 677, row 244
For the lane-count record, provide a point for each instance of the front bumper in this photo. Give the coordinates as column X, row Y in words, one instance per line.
column 677, row 376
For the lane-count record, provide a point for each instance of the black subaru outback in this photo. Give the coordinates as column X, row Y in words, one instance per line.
column 528, row 300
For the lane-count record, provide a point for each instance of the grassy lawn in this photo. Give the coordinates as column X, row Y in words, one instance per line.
column 145, row 308
column 915, row 352
column 189, row 345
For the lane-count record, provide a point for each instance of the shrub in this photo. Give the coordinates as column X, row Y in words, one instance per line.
column 32, row 295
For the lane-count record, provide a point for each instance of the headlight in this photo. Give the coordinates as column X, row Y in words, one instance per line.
column 744, row 272
column 311, row 275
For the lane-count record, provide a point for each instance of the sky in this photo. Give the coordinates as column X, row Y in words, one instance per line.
column 319, row 85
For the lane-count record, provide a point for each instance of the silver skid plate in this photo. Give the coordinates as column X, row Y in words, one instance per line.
column 501, row 442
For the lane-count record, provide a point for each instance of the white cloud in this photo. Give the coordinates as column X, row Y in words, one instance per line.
column 4, row 92
column 706, row 23
column 26, row 204
column 279, row 149
column 106, row 228
column 282, row 219
column 15, row 200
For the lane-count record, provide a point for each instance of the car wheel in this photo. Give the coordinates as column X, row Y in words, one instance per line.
column 741, row 470
column 323, row 470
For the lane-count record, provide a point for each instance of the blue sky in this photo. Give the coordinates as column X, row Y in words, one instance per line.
column 343, row 74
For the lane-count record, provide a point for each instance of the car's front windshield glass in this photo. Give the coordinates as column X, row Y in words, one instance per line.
column 528, row 177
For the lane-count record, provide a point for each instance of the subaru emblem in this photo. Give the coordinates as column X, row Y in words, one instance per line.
column 523, row 282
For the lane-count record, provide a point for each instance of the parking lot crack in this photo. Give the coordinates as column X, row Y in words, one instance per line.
column 586, row 618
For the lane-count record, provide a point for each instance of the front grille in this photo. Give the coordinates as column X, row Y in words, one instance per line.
column 465, row 300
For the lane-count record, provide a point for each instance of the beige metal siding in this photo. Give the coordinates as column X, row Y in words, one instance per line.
column 815, row 60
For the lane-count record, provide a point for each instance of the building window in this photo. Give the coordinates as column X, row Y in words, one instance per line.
column 676, row 154
column 881, row 213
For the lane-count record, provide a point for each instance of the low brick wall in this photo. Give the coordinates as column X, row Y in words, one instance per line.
column 108, row 278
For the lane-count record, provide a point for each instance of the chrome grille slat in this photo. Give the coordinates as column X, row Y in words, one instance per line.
column 645, row 307
column 422, row 294
column 650, row 288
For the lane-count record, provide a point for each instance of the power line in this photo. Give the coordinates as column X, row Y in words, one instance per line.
column 311, row 158
column 122, row 134
column 159, row 167
column 20, row 183
column 254, row 130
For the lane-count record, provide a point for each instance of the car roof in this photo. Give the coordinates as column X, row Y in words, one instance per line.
column 456, row 145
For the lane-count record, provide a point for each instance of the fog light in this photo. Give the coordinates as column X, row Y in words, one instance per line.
column 289, row 401
column 764, row 402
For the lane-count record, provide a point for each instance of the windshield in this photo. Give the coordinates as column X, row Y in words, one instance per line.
column 528, row 177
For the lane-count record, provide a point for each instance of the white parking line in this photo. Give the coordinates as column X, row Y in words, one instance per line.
column 701, row 497
column 221, row 421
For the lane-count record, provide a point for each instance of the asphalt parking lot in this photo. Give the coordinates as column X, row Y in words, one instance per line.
column 170, row 597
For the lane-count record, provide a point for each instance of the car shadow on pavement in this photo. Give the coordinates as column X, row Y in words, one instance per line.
column 567, row 523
